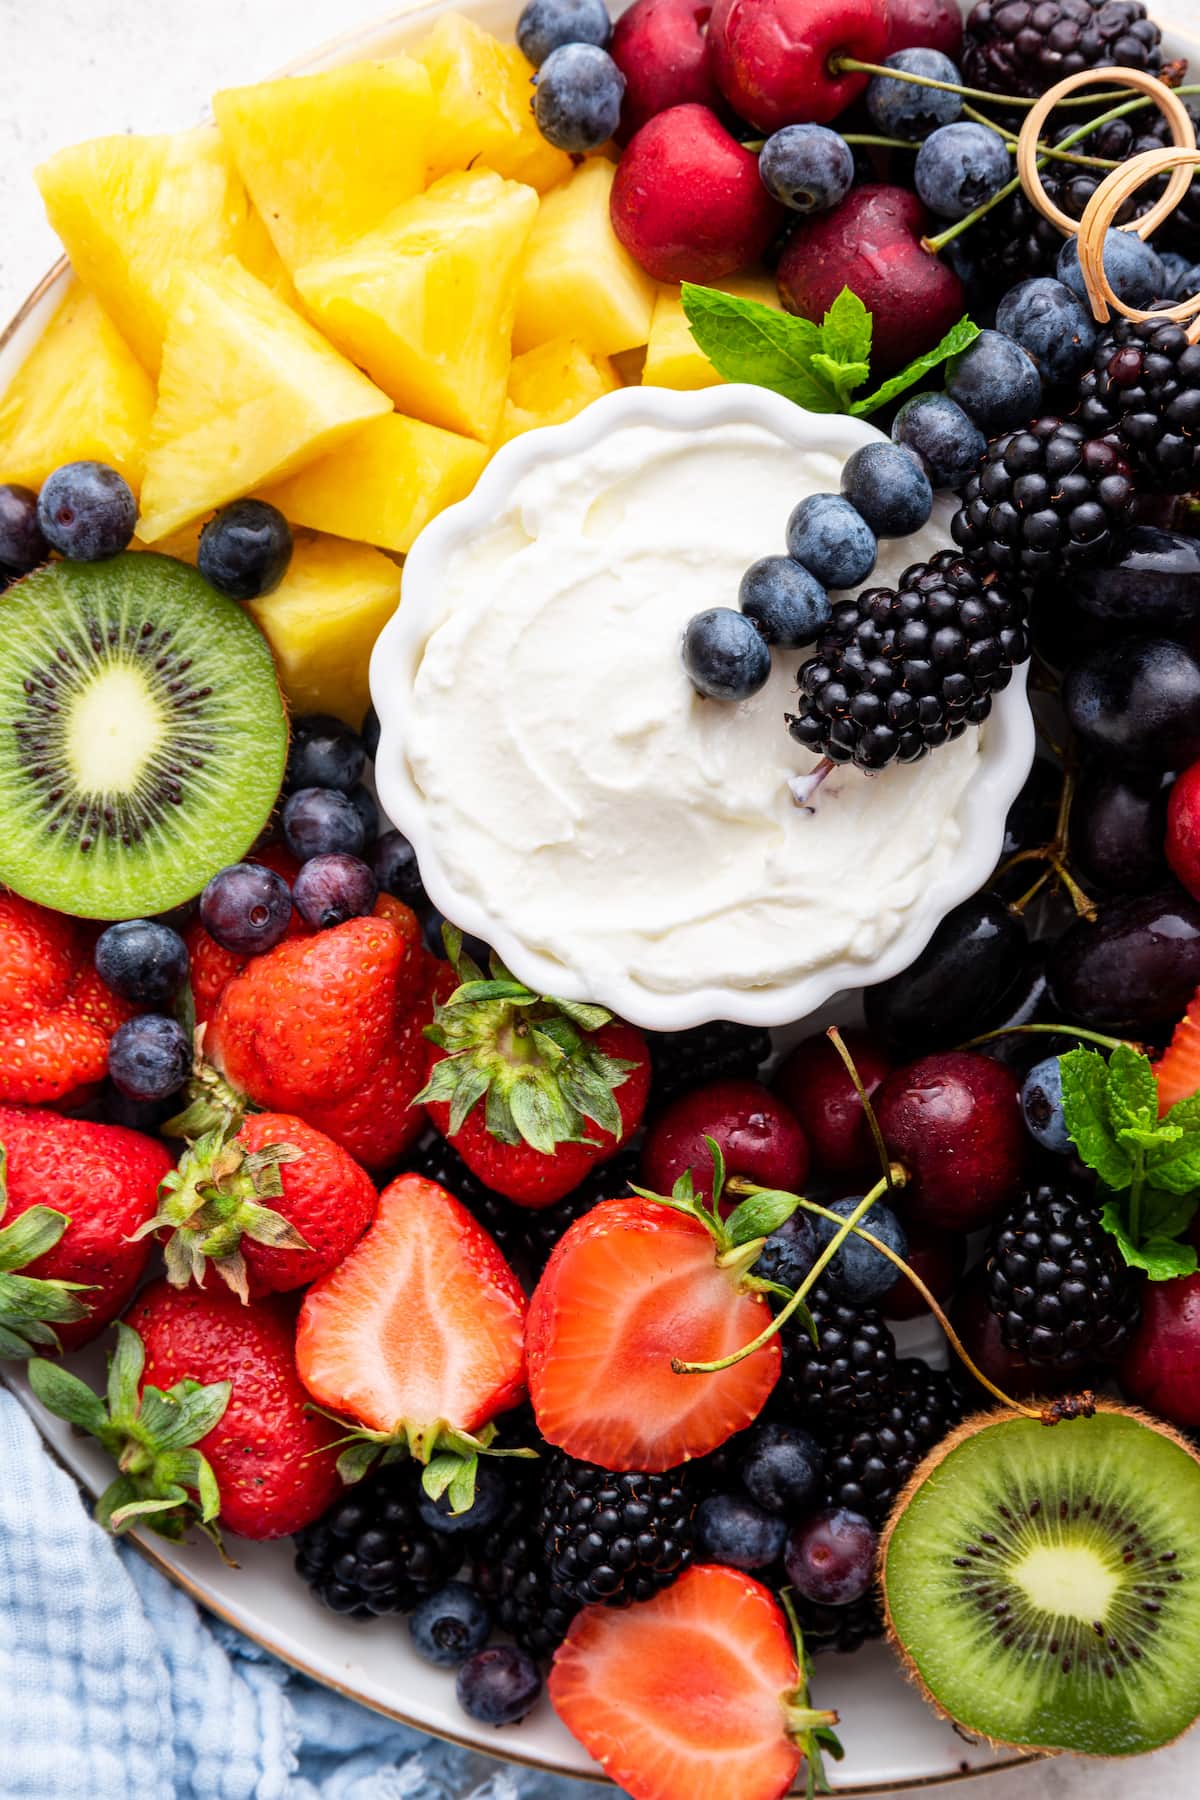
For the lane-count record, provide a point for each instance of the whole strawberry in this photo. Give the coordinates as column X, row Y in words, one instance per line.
column 56, row 1016
column 381, row 1119
column 104, row 1180
column 532, row 1092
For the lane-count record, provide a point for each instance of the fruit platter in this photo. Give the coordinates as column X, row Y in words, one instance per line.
column 600, row 877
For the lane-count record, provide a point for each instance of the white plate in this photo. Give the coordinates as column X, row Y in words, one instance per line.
column 893, row 1740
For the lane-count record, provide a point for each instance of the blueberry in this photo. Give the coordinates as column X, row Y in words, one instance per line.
column 1181, row 279
column 546, row 25
column 958, row 167
column 1042, row 1105
column 787, row 1253
column 732, row 1530
column 368, row 731
column 830, row 1558
column 859, row 1273
column 835, row 543
column 321, row 821
column 363, row 802
column 246, row 908
column 245, row 549
column 498, row 1686
column 787, row 604
column 809, row 168
column 22, row 546
column 577, row 101
column 149, row 1057
column 724, row 655
column 1135, row 272
column 905, row 110
column 948, row 443
column 1051, row 323
column 889, row 489
column 396, row 871
column 324, row 753
column 491, row 1493
column 450, row 1625
column 996, row 382
column 783, row 1467
column 87, row 511
column 142, row 960
column 333, row 888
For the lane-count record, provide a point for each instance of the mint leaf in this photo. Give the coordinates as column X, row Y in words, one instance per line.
column 958, row 338
column 1132, row 1090
column 1160, row 1257
column 846, row 331
column 747, row 341
column 1165, row 1214
column 1173, row 1160
column 1085, row 1108
column 842, row 377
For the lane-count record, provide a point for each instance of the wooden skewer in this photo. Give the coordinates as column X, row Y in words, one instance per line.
column 1114, row 191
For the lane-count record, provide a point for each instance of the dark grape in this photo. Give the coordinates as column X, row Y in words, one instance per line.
column 1133, row 971
column 1137, row 702
column 1117, row 828
column 959, row 984
column 1153, row 582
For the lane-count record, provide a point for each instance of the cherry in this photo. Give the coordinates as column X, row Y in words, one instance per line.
column 938, row 1257
column 687, row 202
column 760, row 1138
column 1183, row 829
column 660, row 48
column 814, row 1081
column 772, row 58
column 1161, row 1368
column 871, row 243
column 925, row 25
column 954, row 1121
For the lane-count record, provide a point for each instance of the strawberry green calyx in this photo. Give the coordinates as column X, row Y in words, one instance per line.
column 739, row 1238
column 212, row 1103
column 810, row 1728
column 531, row 1059
column 451, row 1457
column 163, row 1482
column 30, row 1308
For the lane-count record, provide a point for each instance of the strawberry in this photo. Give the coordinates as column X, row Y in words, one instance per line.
column 104, row 1180
column 697, row 1694
column 56, row 1017
column 1178, row 1069
column 266, row 1449
column 273, row 1207
column 417, row 1336
column 532, row 1092
column 380, row 1120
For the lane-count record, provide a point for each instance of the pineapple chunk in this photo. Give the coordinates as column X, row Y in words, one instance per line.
column 383, row 485
column 248, row 392
column 578, row 280
column 132, row 210
column 425, row 304
column 484, row 95
column 549, row 385
column 80, row 396
column 327, row 157
column 673, row 357
column 322, row 620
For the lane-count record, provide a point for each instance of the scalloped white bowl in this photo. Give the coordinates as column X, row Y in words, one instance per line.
column 1006, row 749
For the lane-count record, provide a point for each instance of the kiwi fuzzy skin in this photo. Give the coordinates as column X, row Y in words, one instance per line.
column 969, row 1428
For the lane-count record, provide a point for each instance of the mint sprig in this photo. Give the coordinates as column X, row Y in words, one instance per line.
column 1150, row 1166
column 818, row 367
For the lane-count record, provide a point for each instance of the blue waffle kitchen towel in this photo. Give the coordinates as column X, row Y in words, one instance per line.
column 114, row 1685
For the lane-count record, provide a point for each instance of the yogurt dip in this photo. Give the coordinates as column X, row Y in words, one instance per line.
column 580, row 792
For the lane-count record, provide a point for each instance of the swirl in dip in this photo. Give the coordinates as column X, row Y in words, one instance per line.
column 581, row 792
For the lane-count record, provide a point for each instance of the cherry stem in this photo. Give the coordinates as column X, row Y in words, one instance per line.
column 1051, row 1030
column 850, row 65
column 803, row 787
column 839, row 1043
column 883, row 143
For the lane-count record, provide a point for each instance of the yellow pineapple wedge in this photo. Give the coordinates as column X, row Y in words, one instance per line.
column 425, row 304
column 248, row 392
column 673, row 357
column 132, row 210
column 322, row 620
column 383, row 485
column 483, row 91
column 549, row 385
column 327, row 157
column 81, row 395
column 578, row 280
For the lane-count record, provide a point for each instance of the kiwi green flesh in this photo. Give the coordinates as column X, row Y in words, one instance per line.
column 1044, row 1582
column 142, row 735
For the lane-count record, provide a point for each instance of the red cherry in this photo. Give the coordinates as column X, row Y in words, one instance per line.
column 759, row 1136
column 925, row 25
column 815, row 1083
column 871, row 243
column 687, row 202
column 938, row 1257
column 1161, row 1368
column 772, row 58
column 1183, row 830
column 954, row 1121
column 660, row 48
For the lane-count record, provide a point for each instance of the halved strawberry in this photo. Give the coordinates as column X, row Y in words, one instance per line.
column 630, row 1286
column 697, row 1694
column 1178, row 1070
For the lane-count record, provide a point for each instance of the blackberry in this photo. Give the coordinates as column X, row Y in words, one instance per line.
column 840, row 1628
column 1046, row 499
column 511, row 1575
column 1144, row 385
column 718, row 1051
column 851, row 1369
column 900, row 672
column 1022, row 47
column 611, row 1537
column 931, row 1403
column 1057, row 1283
column 371, row 1553
column 869, row 1464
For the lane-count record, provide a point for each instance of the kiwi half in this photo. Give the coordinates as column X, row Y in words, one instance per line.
column 1043, row 1582
column 142, row 735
